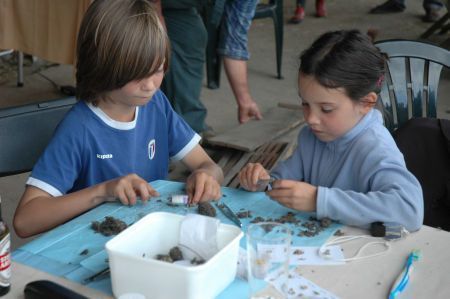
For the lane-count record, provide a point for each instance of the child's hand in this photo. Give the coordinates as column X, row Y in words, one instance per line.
column 129, row 187
column 250, row 174
column 295, row 195
column 201, row 186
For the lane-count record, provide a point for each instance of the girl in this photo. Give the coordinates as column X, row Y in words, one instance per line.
column 123, row 131
column 347, row 166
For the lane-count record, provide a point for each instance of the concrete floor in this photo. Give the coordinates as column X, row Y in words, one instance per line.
column 266, row 89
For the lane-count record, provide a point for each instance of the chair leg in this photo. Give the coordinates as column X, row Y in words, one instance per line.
column 444, row 29
column 19, row 69
column 278, row 23
column 439, row 23
column 213, row 60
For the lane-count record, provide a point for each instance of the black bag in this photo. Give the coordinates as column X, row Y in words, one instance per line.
column 425, row 144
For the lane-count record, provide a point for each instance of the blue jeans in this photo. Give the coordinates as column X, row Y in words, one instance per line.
column 427, row 4
column 237, row 18
column 182, row 83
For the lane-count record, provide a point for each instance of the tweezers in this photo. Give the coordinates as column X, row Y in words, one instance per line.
column 265, row 185
column 97, row 276
column 229, row 213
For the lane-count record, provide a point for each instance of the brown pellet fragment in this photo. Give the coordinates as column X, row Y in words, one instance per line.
column 205, row 208
column 108, row 227
column 196, row 261
column 244, row 214
column 164, row 258
column 339, row 233
column 175, row 254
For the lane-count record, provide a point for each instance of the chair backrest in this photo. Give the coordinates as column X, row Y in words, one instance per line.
column 25, row 132
column 412, row 79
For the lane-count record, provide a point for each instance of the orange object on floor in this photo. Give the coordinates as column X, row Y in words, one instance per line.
column 321, row 10
column 298, row 16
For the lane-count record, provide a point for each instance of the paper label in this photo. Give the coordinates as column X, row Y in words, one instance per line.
column 5, row 262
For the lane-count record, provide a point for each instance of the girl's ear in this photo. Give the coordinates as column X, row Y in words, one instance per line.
column 368, row 102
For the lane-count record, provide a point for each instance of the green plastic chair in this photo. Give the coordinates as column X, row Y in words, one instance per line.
column 272, row 9
column 412, row 79
column 26, row 130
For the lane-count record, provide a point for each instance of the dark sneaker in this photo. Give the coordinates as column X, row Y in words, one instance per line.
column 389, row 6
column 431, row 15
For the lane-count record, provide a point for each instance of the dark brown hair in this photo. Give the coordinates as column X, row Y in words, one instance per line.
column 119, row 41
column 345, row 59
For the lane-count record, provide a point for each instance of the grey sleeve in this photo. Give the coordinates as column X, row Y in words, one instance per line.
column 395, row 196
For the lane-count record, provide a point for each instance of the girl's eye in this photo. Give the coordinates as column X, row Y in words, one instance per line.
column 305, row 104
column 327, row 109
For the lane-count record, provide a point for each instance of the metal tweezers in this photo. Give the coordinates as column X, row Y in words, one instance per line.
column 97, row 276
column 229, row 213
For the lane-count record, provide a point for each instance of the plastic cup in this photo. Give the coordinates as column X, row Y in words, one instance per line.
column 268, row 247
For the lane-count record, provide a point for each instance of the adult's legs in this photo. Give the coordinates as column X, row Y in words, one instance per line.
column 432, row 4
column 183, row 82
column 432, row 8
column 390, row 6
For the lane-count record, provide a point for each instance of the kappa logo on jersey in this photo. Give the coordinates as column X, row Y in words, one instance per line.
column 151, row 149
column 106, row 156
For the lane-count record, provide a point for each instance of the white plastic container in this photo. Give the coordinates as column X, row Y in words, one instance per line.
column 134, row 269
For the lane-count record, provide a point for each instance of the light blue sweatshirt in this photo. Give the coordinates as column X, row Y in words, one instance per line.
column 361, row 176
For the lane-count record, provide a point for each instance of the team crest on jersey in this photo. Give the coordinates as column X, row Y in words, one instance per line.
column 151, row 149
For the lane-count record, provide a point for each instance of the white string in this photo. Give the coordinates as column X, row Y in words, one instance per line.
column 344, row 239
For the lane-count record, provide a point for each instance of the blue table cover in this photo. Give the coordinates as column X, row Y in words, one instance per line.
column 74, row 251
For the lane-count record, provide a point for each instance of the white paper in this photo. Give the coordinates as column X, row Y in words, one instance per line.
column 310, row 256
column 304, row 255
column 300, row 287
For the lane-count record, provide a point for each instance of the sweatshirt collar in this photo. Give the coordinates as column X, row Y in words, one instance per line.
column 368, row 120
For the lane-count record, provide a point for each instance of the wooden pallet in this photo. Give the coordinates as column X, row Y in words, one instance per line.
column 232, row 161
column 254, row 134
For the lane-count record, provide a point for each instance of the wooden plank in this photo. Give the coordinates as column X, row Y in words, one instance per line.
column 236, row 156
column 290, row 106
column 268, row 155
column 224, row 158
column 236, row 168
column 251, row 135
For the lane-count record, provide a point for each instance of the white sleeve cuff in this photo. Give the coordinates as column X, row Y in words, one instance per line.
column 187, row 148
column 43, row 186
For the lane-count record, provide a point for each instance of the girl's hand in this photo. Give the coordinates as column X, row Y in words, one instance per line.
column 294, row 194
column 128, row 188
column 201, row 186
column 250, row 174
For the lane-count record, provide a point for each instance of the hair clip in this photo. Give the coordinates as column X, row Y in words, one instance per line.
column 380, row 80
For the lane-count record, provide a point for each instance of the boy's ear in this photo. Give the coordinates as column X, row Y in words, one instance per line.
column 368, row 101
